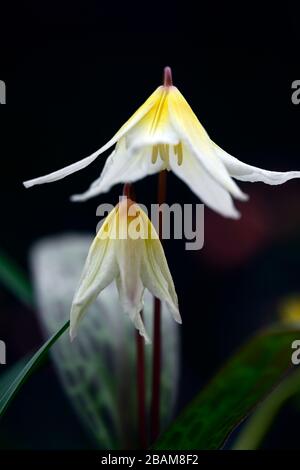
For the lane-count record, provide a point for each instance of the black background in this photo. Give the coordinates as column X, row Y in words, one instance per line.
column 75, row 71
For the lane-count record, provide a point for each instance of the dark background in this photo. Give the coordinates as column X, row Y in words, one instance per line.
column 74, row 73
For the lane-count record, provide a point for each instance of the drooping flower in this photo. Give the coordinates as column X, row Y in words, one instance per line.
column 164, row 133
column 126, row 249
column 105, row 346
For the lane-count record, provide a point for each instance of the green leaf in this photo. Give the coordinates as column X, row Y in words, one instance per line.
column 9, row 389
column 232, row 394
column 261, row 420
column 11, row 372
column 15, row 280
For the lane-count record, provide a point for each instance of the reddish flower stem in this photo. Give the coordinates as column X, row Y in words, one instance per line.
column 141, row 390
column 156, row 372
column 156, row 365
column 128, row 192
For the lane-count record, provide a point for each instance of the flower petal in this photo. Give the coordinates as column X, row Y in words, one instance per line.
column 155, row 127
column 196, row 138
column 203, row 185
column 122, row 167
column 99, row 271
column 133, row 313
column 129, row 255
column 156, row 275
column 129, row 252
column 68, row 170
column 243, row 172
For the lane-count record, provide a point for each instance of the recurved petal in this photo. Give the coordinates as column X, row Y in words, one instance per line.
column 193, row 134
column 203, row 185
column 243, row 172
column 68, row 170
column 122, row 166
column 63, row 172
column 99, row 271
column 157, row 278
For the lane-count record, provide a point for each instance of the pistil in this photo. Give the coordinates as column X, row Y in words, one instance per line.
column 168, row 77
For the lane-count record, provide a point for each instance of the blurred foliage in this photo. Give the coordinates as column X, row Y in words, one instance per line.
column 97, row 370
column 105, row 395
column 15, row 280
column 231, row 395
column 258, row 424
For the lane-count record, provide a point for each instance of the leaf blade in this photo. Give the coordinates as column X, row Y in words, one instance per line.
column 236, row 389
column 261, row 420
column 20, row 378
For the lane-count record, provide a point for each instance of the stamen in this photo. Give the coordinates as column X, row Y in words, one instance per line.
column 178, row 151
column 154, row 154
column 167, row 147
column 163, row 151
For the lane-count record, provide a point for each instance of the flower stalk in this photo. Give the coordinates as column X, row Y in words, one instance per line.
column 128, row 192
column 141, row 390
column 156, row 370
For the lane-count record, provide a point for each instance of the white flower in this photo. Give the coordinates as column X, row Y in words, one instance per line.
column 164, row 133
column 105, row 344
column 126, row 249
